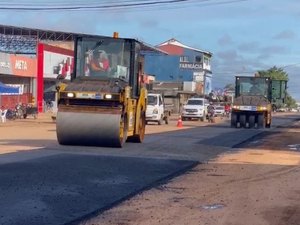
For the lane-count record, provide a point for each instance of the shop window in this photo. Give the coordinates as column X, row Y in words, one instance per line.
column 198, row 59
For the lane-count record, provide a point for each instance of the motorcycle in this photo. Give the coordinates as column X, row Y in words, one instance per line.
column 211, row 114
column 11, row 114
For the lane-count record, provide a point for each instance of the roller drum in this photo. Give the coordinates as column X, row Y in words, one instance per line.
column 94, row 129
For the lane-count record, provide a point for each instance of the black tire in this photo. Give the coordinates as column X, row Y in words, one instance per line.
column 123, row 131
column 261, row 121
column 203, row 118
column 233, row 120
column 139, row 138
column 251, row 121
column 160, row 120
column 243, row 120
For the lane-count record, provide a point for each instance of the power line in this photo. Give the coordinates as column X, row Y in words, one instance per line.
column 107, row 6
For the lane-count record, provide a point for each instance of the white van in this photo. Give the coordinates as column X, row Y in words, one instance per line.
column 195, row 108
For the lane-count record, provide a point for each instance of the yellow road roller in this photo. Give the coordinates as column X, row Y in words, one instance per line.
column 104, row 104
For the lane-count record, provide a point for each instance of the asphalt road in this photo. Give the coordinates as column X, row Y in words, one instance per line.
column 44, row 183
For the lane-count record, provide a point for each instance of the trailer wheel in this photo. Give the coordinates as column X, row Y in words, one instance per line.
column 233, row 120
column 251, row 121
column 261, row 121
column 243, row 120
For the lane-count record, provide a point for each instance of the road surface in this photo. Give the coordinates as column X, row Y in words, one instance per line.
column 45, row 183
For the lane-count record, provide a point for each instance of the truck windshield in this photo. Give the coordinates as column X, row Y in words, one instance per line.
column 103, row 58
column 152, row 100
column 194, row 102
column 252, row 86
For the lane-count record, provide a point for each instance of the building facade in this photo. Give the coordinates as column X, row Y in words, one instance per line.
column 17, row 71
column 180, row 63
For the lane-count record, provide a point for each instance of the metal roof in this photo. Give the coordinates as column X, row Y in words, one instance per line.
column 40, row 34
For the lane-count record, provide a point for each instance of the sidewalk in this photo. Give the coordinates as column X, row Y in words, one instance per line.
column 42, row 118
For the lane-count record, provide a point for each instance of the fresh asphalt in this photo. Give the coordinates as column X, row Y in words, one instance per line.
column 65, row 188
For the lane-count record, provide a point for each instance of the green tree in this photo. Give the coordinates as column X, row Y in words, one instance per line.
column 290, row 102
column 229, row 87
column 278, row 74
column 274, row 73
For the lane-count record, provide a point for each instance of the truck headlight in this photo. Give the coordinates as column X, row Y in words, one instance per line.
column 70, row 95
column 155, row 111
column 262, row 108
column 108, row 96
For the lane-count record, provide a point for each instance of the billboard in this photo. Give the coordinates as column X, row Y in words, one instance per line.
column 207, row 84
column 12, row 64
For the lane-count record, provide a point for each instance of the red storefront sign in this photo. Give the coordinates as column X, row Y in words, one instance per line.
column 11, row 64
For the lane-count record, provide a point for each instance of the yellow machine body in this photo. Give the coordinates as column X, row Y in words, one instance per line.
column 105, row 109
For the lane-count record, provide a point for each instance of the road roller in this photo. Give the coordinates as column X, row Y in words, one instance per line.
column 255, row 98
column 104, row 103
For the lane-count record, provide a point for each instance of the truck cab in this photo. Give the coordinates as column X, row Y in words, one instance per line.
column 156, row 109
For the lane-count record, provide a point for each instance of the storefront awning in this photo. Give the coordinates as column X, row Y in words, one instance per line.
column 8, row 90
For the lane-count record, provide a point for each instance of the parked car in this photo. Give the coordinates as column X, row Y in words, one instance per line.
column 195, row 108
column 293, row 110
column 219, row 110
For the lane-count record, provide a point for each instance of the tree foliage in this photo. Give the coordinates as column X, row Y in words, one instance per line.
column 278, row 74
column 229, row 87
column 274, row 73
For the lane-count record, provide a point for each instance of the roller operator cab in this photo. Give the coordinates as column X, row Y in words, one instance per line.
column 104, row 104
column 254, row 100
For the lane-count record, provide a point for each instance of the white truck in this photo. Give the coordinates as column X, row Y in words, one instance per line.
column 195, row 108
column 156, row 109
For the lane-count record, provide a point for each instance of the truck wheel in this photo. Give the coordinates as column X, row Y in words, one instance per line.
column 243, row 120
column 233, row 120
column 261, row 121
column 251, row 121
column 160, row 121
column 203, row 118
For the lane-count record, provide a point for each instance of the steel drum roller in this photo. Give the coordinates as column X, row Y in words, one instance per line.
column 74, row 128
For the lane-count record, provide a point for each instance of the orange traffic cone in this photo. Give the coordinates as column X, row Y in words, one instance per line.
column 179, row 122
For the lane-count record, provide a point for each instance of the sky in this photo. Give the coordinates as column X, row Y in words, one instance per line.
column 244, row 36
